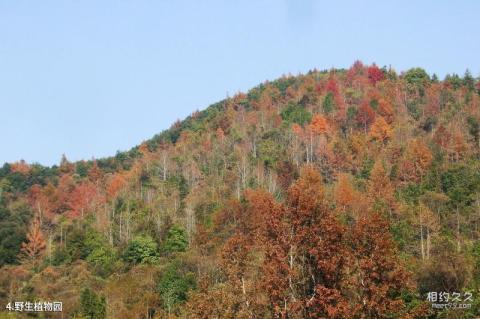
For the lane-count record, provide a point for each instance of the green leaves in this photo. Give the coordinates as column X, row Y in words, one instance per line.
column 460, row 184
column 328, row 103
column 142, row 250
column 176, row 240
column 174, row 285
column 13, row 227
column 417, row 76
column 92, row 306
column 294, row 113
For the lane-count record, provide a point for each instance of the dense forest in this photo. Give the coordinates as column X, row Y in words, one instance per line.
column 345, row 193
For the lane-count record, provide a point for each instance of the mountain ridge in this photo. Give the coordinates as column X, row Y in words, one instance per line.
column 226, row 212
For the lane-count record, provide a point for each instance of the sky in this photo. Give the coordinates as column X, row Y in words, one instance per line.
column 89, row 78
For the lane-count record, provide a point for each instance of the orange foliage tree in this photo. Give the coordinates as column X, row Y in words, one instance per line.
column 35, row 245
column 380, row 188
column 380, row 130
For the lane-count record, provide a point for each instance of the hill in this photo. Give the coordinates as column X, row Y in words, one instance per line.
column 338, row 194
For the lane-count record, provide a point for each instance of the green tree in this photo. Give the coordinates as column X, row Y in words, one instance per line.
column 13, row 229
column 417, row 76
column 328, row 103
column 176, row 240
column 173, row 286
column 101, row 255
column 92, row 306
column 454, row 80
column 468, row 80
column 294, row 113
column 141, row 250
column 474, row 128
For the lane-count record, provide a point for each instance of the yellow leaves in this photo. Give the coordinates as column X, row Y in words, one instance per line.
column 380, row 130
column 357, row 143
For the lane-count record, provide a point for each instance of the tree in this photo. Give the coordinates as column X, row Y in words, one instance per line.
column 417, row 161
column 385, row 109
column 92, row 306
column 374, row 74
column 173, row 286
column 365, row 116
column 380, row 189
column 176, row 240
column 83, row 199
column 66, row 167
column 101, row 255
column 115, row 184
column 468, row 80
column 417, row 76
column 380, row 130
column 319, row 125
column 345, row 195
column 317, row 249
column 274, row 237
column 13, row 229
column 379, row 277
column 447, row 270
column 460, row 183
column 293, row 113
column 94, row 173
column 35, row 245
column 328, row 103
column 142, row 249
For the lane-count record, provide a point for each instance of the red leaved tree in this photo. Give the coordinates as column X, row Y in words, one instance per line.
column 374, row 74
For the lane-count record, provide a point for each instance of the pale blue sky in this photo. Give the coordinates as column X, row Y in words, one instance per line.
column 88, row 78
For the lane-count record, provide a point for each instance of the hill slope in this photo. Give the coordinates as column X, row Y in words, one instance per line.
column 342, row 193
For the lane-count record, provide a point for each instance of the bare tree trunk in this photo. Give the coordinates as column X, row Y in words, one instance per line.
column 421, row 236
column 428, row 243
column 164, row 167
column 458, row 230
column 190, row 223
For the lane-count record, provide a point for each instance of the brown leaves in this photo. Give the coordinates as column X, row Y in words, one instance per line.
column 365, row 116
column 379, row 277
column 83, row 199
column 116, row 183
column 380, row 130
column 346, row 197
column 417, row 161
column 35, row 245
column 380, row 188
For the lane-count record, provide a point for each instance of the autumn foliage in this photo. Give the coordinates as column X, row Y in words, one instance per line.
column 35, row 245
column 332, row 194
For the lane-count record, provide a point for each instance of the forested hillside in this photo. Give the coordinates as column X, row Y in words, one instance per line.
column 335, row 194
